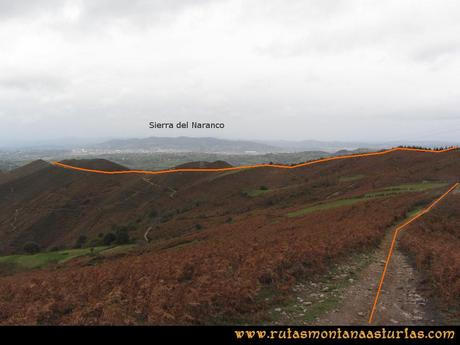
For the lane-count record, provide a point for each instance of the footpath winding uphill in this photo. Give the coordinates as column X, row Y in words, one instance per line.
column 346, row 295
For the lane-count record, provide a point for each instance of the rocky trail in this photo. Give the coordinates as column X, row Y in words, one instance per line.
column 346, row 294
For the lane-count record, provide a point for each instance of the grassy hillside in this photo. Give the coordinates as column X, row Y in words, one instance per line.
column 217, row 241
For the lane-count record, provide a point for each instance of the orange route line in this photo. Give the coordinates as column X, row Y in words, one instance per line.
column 393, row 242
column 279, row 166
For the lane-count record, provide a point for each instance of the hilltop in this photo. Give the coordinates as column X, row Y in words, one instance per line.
column 25, row 170
column 96, row 164
column 204, row 165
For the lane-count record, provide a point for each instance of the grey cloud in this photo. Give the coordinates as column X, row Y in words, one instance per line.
column 33, row 83
column 438, row 51
column 278, row 68
column 135, row 8
column 20, row 8
column 98, row 10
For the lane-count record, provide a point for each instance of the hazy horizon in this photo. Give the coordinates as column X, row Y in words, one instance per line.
column 81, row 142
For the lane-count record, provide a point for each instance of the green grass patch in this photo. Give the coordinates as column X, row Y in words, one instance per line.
column 405, row 188
column 118, row 249
column 26, row 262
column 256, row 192
column 412, row 213
column 385, row 192
column 417, row 187
column 325, row 206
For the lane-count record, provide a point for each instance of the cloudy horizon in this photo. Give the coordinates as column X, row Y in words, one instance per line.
column 350, row 70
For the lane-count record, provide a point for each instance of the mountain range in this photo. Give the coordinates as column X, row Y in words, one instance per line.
column 211, row 145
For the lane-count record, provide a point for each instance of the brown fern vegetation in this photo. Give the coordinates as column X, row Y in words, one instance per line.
column 217, row 277
column 434, row 242
column 216, row 244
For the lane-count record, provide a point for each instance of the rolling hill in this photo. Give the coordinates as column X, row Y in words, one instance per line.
column 216, row 241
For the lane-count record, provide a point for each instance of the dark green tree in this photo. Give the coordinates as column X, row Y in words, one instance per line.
column 81, row 241
column 109, row 238
column 122, row 236
column 31, row 247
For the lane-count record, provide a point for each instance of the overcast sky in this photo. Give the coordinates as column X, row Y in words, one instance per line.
column 269, row 69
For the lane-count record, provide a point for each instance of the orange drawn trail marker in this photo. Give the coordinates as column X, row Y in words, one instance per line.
column 278, row 166
column 393, row 242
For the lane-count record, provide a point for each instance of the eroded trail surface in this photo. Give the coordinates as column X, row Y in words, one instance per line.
column 346, row 294
column 402, row 299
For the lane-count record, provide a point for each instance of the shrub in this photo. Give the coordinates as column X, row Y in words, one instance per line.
column 96, row 242
column 81, row 241
column 198, row 226
column 126, row 227
column 122, row 236
column 109, row 238
column 263, row 188
column 31, row 248
column 153, row 214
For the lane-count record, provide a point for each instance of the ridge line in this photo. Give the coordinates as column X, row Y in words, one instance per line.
column 278, row 166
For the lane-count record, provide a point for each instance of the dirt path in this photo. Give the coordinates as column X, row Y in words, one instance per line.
column 402, row 300
column 345, row 295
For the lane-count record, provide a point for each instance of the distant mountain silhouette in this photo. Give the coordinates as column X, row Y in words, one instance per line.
column 186, row 144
